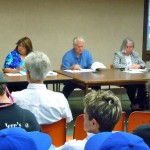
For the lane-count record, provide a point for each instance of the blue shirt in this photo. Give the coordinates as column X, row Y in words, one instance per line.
column 13, row 60
column 70, row 58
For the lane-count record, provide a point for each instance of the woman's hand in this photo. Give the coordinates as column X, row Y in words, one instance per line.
column 135, row 66
column 18, row 69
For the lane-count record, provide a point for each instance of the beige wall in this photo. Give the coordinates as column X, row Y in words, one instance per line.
column 52, row 24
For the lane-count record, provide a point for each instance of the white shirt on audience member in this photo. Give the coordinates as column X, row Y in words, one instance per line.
column 46, row 105
column 75, row 144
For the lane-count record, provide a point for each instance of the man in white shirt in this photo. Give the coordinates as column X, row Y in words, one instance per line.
column 46, row 105
column 102, row 110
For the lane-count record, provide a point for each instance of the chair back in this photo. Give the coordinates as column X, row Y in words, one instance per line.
column 120, row 124
column 60, row 67
column 79, row 132
column 57, row 131
column 137, row 118
column 111, row 66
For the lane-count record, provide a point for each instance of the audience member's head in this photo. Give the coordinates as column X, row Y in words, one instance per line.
column 19, row 139
column 37, row 65
column 102, row 111
column 144, row 132
column 115, row 141
column 2, row 84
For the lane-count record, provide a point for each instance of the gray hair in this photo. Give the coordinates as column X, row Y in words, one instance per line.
column 104, row 107
column 2, row 89
column 38, row 64
column 125, row 42
column 77, row 39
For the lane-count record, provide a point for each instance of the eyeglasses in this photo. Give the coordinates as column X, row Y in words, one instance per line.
column 11, row 98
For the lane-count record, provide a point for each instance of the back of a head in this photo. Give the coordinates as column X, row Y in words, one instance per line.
column 116, row 141
column 104, row 107
column 3, row 81
column 143, row 131
column 38, row 65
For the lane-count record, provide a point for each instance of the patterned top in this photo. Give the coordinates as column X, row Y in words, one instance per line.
column 13, row 60
column 119, row 60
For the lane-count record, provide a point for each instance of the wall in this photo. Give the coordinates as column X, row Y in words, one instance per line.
column 52, row 24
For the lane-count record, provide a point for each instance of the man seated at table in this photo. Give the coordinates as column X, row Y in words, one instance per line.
column 75, row 59
column 102, row 110
column 11, row 115
column 47, row 106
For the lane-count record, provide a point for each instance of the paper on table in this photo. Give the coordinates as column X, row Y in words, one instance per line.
column 14, row 74
column 51, row 73
column 81, row 70
column 135, row 70
column 23, row 72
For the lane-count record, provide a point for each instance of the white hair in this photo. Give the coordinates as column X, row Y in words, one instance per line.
column 38, row 65
column 77, row 39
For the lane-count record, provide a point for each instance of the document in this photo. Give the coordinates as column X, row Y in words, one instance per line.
column 14, row 74
column 135, row 70
column 23, row 72
column 52, row 73
column 81, row 70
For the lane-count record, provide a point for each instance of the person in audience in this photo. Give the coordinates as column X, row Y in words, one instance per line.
column 102, row 110
column 127, row 58
column 14, row 61
column 75, row 59
column 144, row 132
column 115, row 141
column 18, row 139
column 11, row 115
column 47, row 106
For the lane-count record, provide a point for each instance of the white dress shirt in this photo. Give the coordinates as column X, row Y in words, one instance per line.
column 46, row 105
column 75, row 144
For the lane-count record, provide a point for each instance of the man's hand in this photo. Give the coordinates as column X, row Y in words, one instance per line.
column 75, row 67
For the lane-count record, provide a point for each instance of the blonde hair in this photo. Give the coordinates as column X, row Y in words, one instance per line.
column 104, row 107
